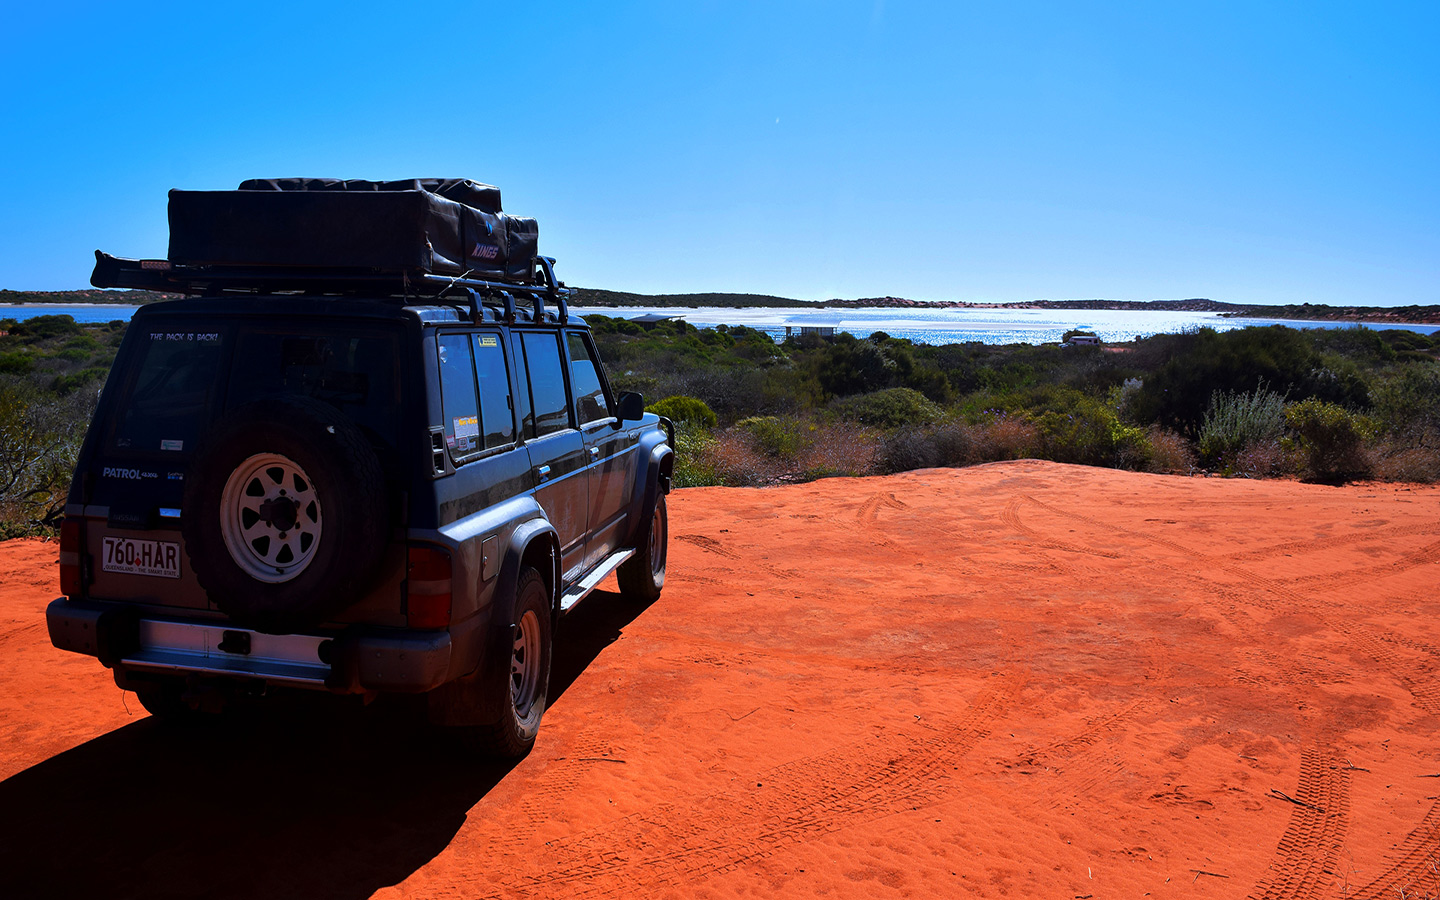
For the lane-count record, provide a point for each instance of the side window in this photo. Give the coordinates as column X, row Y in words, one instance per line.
column 590, row 401
column 495, row 417
column 524, row 412
column 547, row 383
column 457, row 395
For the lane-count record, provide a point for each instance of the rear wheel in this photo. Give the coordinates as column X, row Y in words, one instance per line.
column 526, row 682
column 643, row 575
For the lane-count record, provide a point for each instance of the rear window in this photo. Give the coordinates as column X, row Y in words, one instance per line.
column 356, row 372
column 169, row 399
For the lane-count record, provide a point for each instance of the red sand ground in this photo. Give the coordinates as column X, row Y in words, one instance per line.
column 1021, row 679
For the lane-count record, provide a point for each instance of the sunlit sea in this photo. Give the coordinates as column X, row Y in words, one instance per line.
column 923, row 326
column 988, row 326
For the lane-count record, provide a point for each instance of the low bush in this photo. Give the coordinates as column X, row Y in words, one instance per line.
column 694, row 456
column 1331, row 440
column 685, row 409
column 839, row 449
column 1170, row 454
column 16, row 363
column 1090, row 433
column 908, row 449
column 890, row 408
column 1419, row 465
column 1241, row 423
column 774, row 436
column 1002, row 436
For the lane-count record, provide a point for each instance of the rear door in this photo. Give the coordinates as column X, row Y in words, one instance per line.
column 557, row 451
column 609, row 448
column 167, row 388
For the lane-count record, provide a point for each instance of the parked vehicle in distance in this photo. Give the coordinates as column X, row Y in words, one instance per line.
column 360, row 479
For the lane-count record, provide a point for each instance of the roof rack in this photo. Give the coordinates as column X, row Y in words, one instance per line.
column 406, row 287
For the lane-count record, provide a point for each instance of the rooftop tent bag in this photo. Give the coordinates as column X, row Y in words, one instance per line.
column 435, row 226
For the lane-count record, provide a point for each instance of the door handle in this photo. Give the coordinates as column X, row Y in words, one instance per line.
column 543, row 472
column 594, row 451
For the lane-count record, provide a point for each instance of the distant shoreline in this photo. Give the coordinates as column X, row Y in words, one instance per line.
column 595, row 298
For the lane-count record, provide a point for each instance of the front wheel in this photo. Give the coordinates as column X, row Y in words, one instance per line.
column 643, row 575
column 526, row 682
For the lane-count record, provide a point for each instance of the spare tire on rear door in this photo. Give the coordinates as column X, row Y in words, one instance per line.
column 284, row 514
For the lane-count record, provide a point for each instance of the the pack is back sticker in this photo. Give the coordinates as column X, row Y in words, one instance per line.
column 140, row 556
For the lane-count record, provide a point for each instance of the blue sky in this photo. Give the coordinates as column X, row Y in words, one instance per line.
column 1246, row 152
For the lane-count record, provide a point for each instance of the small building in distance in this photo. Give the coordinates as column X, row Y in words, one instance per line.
column 653, row 319
column 800, row 330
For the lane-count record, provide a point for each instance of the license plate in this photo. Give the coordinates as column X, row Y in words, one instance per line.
column 141, row 557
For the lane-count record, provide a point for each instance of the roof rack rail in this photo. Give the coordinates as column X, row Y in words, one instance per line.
column 404, row 286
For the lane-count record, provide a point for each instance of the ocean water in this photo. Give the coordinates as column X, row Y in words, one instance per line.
column 923, row 326
column 81, row 312
column 987, row 326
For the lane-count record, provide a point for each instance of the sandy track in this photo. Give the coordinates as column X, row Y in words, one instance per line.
column 1021, row 679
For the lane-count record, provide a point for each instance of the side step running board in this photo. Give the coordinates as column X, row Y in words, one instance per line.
column 582, row 588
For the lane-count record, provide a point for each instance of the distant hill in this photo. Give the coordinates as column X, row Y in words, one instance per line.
column 598, row 297
column 92, row 295
column 1415, row 315
column 1423, row 315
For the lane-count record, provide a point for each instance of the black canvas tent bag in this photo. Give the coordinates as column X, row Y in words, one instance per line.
column 429, row 226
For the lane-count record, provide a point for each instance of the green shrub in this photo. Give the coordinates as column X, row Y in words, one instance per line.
column 83, row 342
column 685, row 409
column 694, row 456
column 1090, row 433
column 16, row 363
column 773, row 436
column 890, row 408
column 1178, row 393
column 927, row 448
column 1170, row 453
column 1407, row 401
column 65, row 384
column 1236, row 422
column 1331, row 438
column 39, row 328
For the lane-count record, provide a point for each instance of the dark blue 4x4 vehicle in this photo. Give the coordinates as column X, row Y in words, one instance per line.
column 354, row 481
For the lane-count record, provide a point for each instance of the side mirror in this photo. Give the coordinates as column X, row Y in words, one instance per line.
column 631, row 406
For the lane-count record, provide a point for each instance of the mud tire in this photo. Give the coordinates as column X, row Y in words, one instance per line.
column 642, row 576
column 523, row 685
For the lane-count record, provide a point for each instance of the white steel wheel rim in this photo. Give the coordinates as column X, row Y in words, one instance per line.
column 525, row 664
column 270, row 518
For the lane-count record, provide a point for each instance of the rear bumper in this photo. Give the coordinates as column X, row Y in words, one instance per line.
column 353, row 660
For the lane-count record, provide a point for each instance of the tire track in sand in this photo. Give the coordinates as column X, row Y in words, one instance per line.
column 1416, row 869
column 670, row 845
column 1306, row 857
column 1011, row 517
column 709, row 544
column 868, row 516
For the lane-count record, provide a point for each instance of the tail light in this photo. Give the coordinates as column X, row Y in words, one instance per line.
column 427, row 587
column 71, row 581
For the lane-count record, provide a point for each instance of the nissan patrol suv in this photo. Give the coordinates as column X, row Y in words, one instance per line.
column 354, row 478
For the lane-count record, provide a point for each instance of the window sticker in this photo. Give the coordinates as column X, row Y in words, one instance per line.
column 488, row 340
column 467, row 433
column 172, row 445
